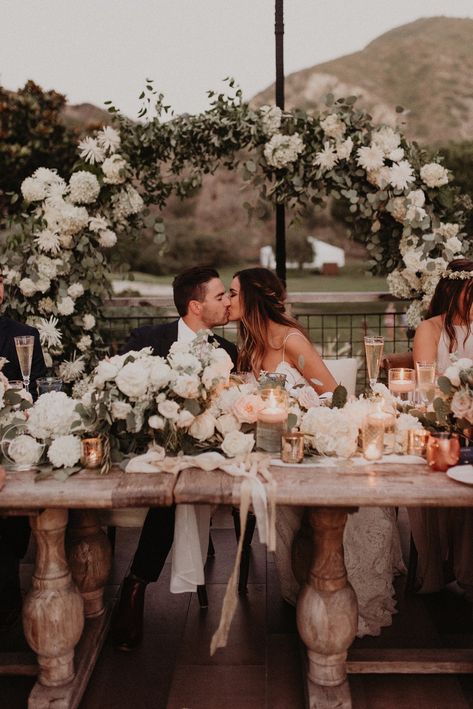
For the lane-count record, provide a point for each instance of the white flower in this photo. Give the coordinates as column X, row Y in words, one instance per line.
column 32, row 190
column 433, row 175
column 186, row 385
column 120, row 410
column 184, row 419
column 202, row 427
column 88, row 321
column 49, row 333
column 401, row 175
column 237, row 443
column 46, row 267
column 48, row 241
column 91, row 151
column 226, row 423
column 25, row 450
column 169, row 409
column 76, row 290
column 73, row 369
column 447, row 230
column 404, row 422
column 107, row 239
column 306, row 396
column 106, row 370
column 344, row 149
column 109, row 139
column 370, row 157
column 114, row 170
column 27, row 287
column 65, row 306
column 52, row 415
column 379, row 177
column 282, row 150
column 84, row 343
column 10, row 275
column 414, row 314
column 212, row 376
column 84, row 187
column 270, row 119
column 416, row 198
column 386, row 139
column 156, row 422
column 414, row 260
column 396, row 155
column 185, row 361
column 327, row 157
column 333, row 126
column 127, row 202
column 454, row 245
column 97, row 224
column 397, row 207
column 415, row 214
column 133, row 380
column 65, row 451
column 246, row 408
column 45, row 305
column 48, row 360
column 332, row 431
column 65, row 218
column 66, row 241
column 159, row 373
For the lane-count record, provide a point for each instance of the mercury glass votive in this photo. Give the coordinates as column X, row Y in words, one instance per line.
column 389, row 422
column 292, row 447
column 92, row 452
column 402, row 382
column 272, row 420
column 443, row 450
column 417, row 441
column 372, row 437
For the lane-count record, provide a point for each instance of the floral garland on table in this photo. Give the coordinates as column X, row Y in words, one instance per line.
column 55, row 263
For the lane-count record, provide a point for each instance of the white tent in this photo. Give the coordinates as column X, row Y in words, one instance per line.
column 322, row 253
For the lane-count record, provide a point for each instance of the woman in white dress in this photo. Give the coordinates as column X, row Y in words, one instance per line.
column 270, row 340
column 444, row 537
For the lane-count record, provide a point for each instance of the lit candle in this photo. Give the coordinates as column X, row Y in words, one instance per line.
column 272, row 420
column 402, row 382
column 373, row 437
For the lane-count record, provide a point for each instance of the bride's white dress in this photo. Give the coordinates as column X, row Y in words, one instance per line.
column 372, row 551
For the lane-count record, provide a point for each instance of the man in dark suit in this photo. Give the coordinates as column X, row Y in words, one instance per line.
column 202, row 303
column 14, row 531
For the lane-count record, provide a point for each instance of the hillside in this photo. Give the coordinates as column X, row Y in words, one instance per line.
column 425, row 66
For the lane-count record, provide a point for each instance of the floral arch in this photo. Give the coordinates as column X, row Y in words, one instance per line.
column 58, row 260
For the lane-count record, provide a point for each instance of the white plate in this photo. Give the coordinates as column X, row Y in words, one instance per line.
column 462, row 473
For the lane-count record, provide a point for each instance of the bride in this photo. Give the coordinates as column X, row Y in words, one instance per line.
column 272, row 341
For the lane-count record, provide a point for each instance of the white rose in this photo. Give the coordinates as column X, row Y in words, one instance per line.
column 113, row 169
column 160, row 373
column 105, row 371
column 434, row 175
column 133, row 380
column 84, row 187
column 308, row 397
column 185, row 360
column 202, row 427
column 213, row 375
column 156, row 422
column 25, row 450
column 453, row 373
column 184, row 419
column 120, row 410
column 76, row 290
column 227, row 423
column 88, row 321
column 169, row 409
column 65, row 306
column 237, row 443
column 27, row 287
column 186, row 385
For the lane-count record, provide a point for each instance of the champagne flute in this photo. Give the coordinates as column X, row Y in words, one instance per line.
column 374, row 346
column 426, row 381
column 24, row 350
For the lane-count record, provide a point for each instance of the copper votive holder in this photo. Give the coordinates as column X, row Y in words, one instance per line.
column 443, row 450
column 92, row 452
column 417, row 441
column 292, row 447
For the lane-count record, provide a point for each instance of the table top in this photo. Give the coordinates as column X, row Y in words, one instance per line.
column 342, row 485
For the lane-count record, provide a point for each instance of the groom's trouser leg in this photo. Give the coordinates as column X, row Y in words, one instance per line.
column 155, row 543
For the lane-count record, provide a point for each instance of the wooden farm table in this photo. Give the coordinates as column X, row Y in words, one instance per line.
column 65, row 589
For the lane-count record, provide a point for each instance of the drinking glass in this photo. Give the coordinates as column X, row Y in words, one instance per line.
column 425, row 381
column 374, row 346
column 402, row 382
column 46, row 384
column 24, row 350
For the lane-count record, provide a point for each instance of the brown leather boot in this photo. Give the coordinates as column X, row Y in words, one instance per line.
column 128, row 622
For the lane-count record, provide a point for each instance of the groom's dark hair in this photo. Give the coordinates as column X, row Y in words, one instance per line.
column 190, row 285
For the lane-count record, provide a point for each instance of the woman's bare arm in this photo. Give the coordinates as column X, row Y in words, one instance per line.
column 426, row 341
column 303, row 356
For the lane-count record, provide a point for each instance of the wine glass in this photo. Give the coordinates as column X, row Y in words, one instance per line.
column 24, row 350
column 374, row 346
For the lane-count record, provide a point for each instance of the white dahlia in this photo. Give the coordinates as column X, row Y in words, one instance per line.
column 49, row 333
column 108, row 139
column 48, row 241
column 370, row 157
column 91, row 151
column 401, row 175
column 327, row 157
column 72, row 369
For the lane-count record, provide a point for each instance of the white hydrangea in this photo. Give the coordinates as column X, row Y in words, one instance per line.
column 398, row 286
column 333, row 126
column 84, row 187
column 386, row 139
column 401, row 175
column 75, row 290
column 88, row 321
column 114, row 170
column 282, row 150
column 331, row 431
column 65, row 306
column 270, row 119
column 84, row 343
column 91, row 151
column 433, row 175
column 327, row 157
column 414, row 314
column 370, row 157
column 107, row 239
column 27, row 287
column 65, row 451
column 52, row 415
column 65, row 218
column 32, row 190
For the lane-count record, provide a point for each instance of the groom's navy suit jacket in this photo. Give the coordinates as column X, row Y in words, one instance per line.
column 157, row 534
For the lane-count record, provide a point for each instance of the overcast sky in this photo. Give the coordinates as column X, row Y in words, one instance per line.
column 94, row 50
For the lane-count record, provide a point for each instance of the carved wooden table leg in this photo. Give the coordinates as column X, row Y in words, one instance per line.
column 90, row 558
column 327, row 612
column 53, row 615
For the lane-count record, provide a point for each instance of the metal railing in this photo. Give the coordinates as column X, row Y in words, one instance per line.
column 336, row 322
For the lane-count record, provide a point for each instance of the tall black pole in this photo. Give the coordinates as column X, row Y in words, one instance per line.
column 280, row 214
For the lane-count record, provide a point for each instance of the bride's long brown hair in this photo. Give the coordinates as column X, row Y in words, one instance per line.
column 448, row 301
column 262, row 300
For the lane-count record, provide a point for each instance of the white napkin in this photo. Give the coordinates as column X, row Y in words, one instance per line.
column 189, row 551
column 393, row 458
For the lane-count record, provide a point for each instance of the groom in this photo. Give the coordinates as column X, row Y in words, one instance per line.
column 202, row 303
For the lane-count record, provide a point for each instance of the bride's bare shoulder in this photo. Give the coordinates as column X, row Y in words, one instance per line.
column 430, row 328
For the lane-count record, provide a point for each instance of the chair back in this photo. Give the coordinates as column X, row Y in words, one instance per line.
column 344, row 371
column 398, row 359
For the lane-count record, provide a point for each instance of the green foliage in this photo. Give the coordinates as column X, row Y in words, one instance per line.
column 339, row 398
